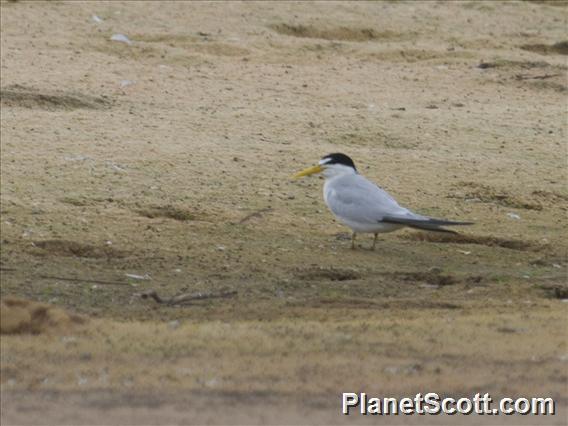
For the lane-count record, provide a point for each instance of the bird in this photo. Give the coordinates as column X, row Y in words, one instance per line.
column 363, row 206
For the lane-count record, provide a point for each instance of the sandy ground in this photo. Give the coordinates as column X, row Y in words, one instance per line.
column 170, row 159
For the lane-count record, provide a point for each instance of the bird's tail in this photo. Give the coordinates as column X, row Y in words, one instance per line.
column 426, row 224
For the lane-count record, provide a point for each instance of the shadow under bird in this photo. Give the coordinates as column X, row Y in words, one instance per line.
column 364, row 207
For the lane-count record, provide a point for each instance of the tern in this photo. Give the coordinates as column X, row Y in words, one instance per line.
column 364, row 207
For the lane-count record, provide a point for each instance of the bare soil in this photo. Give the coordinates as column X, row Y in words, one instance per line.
column 164, row 165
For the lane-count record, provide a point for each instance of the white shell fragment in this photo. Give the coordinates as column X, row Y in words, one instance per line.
column 126, row 83
column 139, row 277
column 121, row 37
column 96, row 19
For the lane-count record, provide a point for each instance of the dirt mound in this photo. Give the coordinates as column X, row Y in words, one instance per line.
column 75, row 249
column 330, row 274
column 338, row 33
column 538, row 75
column 27, row 97
column 18, row 316
column 433, row 278
column 488, row 194
column 556, row 290
column 169, row 212
column 560, row 48
column 474, row 239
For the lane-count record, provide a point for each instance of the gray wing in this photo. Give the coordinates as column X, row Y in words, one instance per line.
column 355, row 198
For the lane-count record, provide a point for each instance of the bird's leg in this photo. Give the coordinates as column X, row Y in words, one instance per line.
column 353, row 241
column 375, row 241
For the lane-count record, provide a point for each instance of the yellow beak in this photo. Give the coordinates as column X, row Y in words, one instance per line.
column 308, row 171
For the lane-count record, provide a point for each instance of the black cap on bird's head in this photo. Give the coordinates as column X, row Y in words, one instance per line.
column 338, row 158
column 326, row 165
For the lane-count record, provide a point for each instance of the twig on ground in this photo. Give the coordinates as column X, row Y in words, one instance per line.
column 257, row 213
column 186, row 297
column 81, row 280
column 535, row 77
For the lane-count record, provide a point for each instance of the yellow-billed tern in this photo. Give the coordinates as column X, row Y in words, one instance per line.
column 363, row 206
